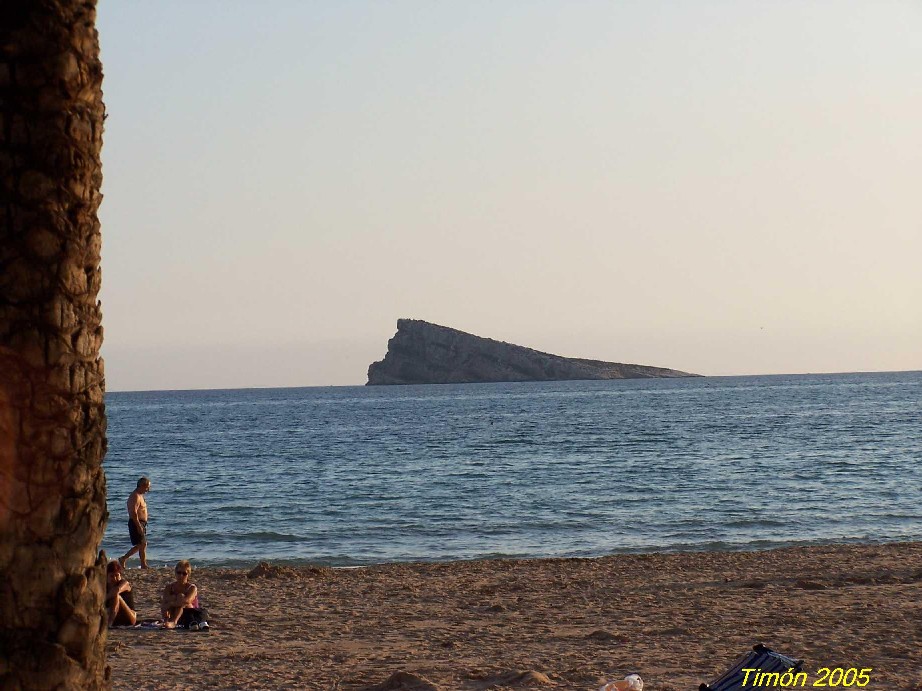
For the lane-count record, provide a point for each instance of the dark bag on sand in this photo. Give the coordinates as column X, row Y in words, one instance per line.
column 763, row 659
column 192, row 615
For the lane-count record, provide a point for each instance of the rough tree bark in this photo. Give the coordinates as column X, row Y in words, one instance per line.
column 52, row 419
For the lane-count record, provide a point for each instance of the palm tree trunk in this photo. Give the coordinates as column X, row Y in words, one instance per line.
column 52, row 418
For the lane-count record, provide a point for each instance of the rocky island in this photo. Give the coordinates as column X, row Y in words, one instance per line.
column 424, row 353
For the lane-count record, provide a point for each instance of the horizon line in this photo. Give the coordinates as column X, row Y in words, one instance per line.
column 387, row 386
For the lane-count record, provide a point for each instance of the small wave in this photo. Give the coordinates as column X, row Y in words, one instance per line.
column 233, row 508
column 269, row 536
column 757, row 523
column 229, row 536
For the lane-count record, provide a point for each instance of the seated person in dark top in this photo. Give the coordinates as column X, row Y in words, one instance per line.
column 119, row 597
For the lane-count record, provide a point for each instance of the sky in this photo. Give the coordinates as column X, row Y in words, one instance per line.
column 726, row 187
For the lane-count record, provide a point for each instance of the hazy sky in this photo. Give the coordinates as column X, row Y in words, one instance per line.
column 721, row 187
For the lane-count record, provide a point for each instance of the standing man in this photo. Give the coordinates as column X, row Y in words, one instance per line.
column 137, row 522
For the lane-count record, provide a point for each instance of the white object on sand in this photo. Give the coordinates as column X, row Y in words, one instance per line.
column 632, row 682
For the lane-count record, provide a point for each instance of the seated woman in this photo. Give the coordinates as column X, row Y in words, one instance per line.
column 119, row 597
column 179, row 604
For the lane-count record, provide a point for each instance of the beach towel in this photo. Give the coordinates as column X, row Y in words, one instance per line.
column 761, row 660
column 142, row 624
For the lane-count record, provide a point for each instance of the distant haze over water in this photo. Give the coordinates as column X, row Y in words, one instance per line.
column 356, row 475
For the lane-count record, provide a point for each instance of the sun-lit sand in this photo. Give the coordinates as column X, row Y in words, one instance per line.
column 677, row 620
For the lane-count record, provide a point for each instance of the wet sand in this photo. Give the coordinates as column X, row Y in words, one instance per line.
column 676, row 619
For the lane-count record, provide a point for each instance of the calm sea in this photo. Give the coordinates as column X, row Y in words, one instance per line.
column 357, row 475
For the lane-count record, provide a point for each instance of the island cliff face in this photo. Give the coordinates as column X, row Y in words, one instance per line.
column 424, row 353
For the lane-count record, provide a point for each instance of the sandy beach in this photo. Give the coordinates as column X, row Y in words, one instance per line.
column 676, row 619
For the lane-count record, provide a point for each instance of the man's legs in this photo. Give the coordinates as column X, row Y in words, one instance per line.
column 138, row 542
column 123, row 559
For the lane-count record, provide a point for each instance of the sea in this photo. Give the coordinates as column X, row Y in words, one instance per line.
column 349, row 476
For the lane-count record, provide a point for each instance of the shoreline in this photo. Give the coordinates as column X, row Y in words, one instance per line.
column 677, row 619
column 296, row 563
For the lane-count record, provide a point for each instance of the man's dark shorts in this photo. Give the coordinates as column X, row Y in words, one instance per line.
column 137, row 538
